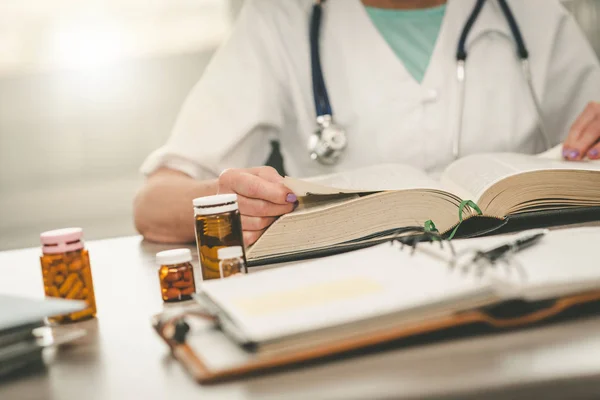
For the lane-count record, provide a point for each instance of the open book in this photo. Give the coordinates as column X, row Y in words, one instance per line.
column 355, row 206
column 342, row 303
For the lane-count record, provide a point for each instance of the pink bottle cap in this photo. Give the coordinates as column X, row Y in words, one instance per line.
column 62, row 240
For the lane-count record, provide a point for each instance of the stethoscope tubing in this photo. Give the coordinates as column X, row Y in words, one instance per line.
column 321, row 97
column 522, row 53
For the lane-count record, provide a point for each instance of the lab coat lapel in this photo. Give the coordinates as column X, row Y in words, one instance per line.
column 378, row 47
column 349, row 33
column 381, row 109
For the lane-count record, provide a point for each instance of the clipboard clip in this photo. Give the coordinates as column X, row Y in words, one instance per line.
column 175, row 327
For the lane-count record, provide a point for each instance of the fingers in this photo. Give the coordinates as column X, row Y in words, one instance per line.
column 261, row 198
column 267, row 173
column 588, row 138
column 594, row 152
column 261, row 208
column 584, row 134
column 253, row 186
column 583, row 120
column 256, row 223
column 251, row 236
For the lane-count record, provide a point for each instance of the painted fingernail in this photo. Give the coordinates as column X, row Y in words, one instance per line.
column 593, row 153
column 565, row 153
column 291, row 198
column 574, row 154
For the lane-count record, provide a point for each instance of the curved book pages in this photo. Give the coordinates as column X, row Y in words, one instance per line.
column 369, row 204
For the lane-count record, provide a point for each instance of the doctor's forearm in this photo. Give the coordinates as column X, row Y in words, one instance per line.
column 163, row 209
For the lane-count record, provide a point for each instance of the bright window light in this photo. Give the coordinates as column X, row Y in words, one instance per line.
column 87, row 44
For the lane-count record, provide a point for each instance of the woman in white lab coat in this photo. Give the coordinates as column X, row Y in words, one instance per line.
column 258, row 88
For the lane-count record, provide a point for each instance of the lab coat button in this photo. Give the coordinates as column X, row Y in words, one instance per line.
column 431, row 95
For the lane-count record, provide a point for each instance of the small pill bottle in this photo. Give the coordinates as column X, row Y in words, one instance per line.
column 231, row 261
column 218, row 225
column 66, row 271
column 176, row 275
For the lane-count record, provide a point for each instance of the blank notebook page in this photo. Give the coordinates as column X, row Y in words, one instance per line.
column 561, row 263
column 564, row 262
column 339, row 289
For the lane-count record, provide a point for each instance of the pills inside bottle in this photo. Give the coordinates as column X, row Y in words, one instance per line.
column 66, row 271
column 218, row 225
column 231, row 261
column 176, row 275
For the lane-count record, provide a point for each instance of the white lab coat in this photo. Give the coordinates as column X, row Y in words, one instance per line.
column 258, row 88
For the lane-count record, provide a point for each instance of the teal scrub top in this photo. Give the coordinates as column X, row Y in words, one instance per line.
column 411, row 34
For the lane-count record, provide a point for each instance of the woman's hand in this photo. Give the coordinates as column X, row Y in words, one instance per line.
column 584, row 136
column 261, row 198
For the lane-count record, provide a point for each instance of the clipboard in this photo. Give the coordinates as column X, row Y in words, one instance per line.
column 198, row 349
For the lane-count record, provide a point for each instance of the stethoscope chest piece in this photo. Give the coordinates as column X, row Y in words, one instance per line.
column 328, row 142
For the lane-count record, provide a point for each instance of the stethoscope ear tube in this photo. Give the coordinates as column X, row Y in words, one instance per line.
column 514, row 28
column 461, row 50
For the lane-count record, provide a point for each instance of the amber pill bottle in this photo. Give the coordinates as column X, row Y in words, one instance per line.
column 218, row 225
column 231, row 261
column 176, row 275
column 66, row 271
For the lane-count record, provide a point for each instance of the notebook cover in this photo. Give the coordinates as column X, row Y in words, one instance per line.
column 503, row 316
column 549, row 219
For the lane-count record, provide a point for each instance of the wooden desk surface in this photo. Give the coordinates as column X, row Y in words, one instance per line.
column 122, row 358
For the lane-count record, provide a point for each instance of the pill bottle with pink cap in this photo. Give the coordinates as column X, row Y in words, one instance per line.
column 66, row 271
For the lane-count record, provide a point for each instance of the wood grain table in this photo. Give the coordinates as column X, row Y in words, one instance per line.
column 122, row 358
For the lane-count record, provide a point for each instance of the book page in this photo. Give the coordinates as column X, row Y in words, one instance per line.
column 369, row 179
column 318, row 202
column 471, row 176
column 554, row 153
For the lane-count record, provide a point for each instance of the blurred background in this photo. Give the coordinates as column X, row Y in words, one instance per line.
column 88, row 88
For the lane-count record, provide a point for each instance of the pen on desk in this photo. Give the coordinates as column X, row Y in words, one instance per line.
column 515, row 246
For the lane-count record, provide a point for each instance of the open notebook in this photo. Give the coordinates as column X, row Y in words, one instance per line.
column 355, row 206
column 344, row 302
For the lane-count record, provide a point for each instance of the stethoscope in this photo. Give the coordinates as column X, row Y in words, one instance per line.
column 328, row 142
